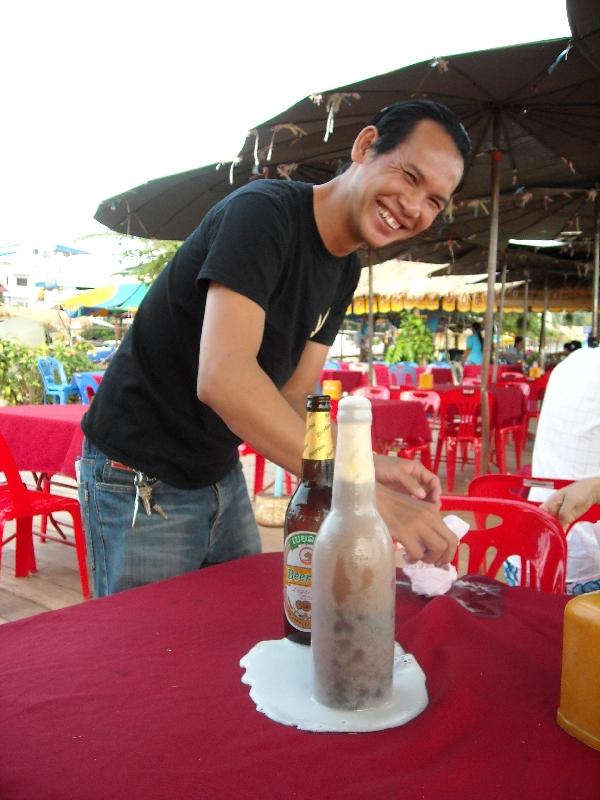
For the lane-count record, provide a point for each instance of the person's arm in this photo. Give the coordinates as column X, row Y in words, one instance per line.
column 468, row 349
column 232, row 383
column 572, row 501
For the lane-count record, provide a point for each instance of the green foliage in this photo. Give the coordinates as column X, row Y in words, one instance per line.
column 513, row 323
column 20, row 380
column 149, row 259
column 412, row 342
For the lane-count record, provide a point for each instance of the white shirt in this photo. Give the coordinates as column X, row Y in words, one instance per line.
column 567, row 445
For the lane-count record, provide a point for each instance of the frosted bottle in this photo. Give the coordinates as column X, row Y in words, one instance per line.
column 354, row 588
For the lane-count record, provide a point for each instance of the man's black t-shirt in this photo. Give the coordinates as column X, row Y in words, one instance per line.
column 261, row 241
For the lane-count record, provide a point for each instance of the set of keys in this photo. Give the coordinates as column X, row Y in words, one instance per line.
column 143, row 493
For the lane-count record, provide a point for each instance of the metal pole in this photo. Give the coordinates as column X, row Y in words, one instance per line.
column 543, row 325
column 500, row 318
column 496, row 157
column 525, row 306
column 596, row 266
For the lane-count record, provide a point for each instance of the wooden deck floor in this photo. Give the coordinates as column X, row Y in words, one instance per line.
column 56, row 584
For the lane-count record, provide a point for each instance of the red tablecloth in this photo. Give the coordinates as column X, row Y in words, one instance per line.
column 440, row 388
column 139, row 697
column 509, row 404
column 350, row 379
column 399, row 419
column 44, row 438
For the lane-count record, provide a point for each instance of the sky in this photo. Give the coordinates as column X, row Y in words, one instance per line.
column 100, row 97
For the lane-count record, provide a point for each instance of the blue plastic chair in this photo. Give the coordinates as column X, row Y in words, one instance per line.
column 56, row 387
column 86, row 386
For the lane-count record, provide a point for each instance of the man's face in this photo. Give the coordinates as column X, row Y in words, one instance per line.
column 399, row 194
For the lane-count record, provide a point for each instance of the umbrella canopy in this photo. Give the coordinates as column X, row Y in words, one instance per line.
column 584, row 20
column 544, row 116
column 171, row 207
column 110, row 299
column 542, row 111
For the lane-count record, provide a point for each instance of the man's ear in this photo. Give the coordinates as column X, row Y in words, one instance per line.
column 363, row 143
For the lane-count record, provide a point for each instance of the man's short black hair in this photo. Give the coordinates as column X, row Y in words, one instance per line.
column 518, row 340
column 395, row 123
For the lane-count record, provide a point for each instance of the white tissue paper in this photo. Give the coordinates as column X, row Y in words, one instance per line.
column 428, row 579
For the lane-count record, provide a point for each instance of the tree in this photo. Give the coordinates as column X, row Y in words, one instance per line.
column 148, row 260
column 412, row 342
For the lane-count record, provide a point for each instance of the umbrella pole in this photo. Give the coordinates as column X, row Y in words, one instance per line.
column 370, row 318
column 596, row 266
column 496, row 156
column 543, row 325
column 525, row 306
column 500, row 319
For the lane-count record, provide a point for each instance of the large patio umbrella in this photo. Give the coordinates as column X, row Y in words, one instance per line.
column 532, row 110
column 533, row 114
column 172, row 206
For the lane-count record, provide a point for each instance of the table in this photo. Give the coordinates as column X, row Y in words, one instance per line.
column 44, row 438
column 510, row 405
column 138, row 696
column 399, row 419
column 350, row 379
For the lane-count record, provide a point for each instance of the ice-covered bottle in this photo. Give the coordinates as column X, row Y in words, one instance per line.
column 353, row 602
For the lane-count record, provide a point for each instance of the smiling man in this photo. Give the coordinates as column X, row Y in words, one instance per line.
column 230, row 340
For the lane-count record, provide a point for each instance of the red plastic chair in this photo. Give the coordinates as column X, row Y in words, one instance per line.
column 471, row 380
column 460, row 425
column 21, row 504
column 518, row 430
column 523, row 531
column 376, row 392
column 259, row 470
column 382, row 374
column 430, row 400
column 516, row 487
column 472, row 371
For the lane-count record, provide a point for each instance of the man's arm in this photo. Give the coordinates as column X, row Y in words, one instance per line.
column 305, row 378
column 573, row 500
column 232, row 383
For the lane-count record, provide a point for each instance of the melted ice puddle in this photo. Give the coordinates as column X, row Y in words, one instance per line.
column 279, row 673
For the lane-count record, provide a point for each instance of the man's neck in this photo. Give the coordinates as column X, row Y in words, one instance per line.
column 331, row 217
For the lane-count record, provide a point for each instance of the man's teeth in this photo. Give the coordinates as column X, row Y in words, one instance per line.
column 388, row 218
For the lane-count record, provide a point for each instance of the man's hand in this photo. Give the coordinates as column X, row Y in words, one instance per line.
column 408, row 477
column 418, row 526
column 572, row 501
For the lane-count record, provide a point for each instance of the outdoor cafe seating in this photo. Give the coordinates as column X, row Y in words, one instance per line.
column 460, row 430
column 524, row 489
column 87, row 386
column 21, row 504
column 54, row 380
column 536, row 538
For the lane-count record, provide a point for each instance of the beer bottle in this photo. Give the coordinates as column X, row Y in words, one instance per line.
column 306, row 511
column 354, row 575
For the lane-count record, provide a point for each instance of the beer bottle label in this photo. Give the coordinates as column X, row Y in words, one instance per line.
column 318, row 439
column 297, row 578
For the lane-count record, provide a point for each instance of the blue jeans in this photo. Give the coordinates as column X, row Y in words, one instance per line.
column 203, row 526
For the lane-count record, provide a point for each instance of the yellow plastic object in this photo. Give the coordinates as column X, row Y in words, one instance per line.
column 426, row 380
column 333, row 389
column 579, row 710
